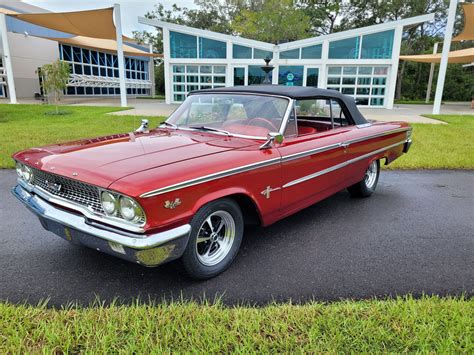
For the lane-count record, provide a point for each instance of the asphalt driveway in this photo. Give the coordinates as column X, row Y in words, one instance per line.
column 414, row 235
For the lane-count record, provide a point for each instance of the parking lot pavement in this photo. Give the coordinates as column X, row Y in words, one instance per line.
column 414, row 235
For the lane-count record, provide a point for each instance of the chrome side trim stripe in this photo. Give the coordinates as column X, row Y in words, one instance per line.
column 383, row 134
column 211, row 177
column 339, row 166
column 344, row 144
column 310, row 152
column 262, row 164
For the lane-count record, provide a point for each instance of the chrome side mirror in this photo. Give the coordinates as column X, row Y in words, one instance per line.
column 143, row 127
column 272, row 138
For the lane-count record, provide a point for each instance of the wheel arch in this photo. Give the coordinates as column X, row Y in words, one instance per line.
column 247, row 203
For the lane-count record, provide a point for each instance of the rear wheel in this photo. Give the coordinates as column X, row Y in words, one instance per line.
column 216, row 234
column 366, row 186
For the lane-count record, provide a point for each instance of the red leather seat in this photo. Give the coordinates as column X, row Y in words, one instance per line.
column 302, row 130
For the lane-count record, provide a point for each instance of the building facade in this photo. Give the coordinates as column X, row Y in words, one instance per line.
column 362, row 63
column 94, row 71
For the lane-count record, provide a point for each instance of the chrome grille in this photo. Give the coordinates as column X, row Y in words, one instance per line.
column 71, row 190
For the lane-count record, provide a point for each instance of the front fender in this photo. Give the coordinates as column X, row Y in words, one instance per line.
column 227, row 192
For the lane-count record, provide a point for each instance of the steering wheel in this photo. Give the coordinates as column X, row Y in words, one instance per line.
column 266, row 123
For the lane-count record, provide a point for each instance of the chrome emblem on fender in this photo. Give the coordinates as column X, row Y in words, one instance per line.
column 268, row 190
column 172, row 204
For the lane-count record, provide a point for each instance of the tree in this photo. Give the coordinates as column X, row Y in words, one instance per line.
column 416, row 39
column 276, row 21
column 55, row 77
column 323, row 15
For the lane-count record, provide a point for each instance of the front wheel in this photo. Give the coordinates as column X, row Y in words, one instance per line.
column 216, row 234
column 366, row 186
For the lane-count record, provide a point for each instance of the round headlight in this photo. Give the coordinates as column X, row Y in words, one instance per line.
column 130, row 210
column 109, row 202
column 27, row 173
column 19, row 169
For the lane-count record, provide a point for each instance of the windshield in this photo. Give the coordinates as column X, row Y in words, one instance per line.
column 249, row 115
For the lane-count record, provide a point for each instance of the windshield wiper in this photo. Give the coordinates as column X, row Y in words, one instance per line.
column 210, row 129
column 169, row 124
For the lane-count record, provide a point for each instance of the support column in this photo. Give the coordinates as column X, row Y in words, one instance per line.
column 322, row 80
column 430, row 79
column 121, row 60
column 444, row 57
column 276, row 63
column 392, row 84
column 166, row 63
column 7, row 59
column 151, row 72
column 229, row 76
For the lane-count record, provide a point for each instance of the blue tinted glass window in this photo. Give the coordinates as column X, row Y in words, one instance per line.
column 209, row 48
column 256, row 75
column 312, row 52
column 77, row 54
column 94, row 58
column 291, row 54
column 377, row 45
column 182, row 45
column 312, row 76
column 85, row 56
column 239, row 76
column 261, row 54
column 344, row 49
column 102, row 60
column 241, row 52
column 290, row 75
column 66, row 53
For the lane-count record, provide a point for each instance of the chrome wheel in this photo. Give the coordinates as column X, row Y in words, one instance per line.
column 215, row 238
column 371, row 175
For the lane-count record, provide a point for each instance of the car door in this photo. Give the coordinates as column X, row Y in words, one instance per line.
column 312, row 155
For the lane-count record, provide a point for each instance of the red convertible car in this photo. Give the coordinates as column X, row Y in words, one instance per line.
column 225, row 158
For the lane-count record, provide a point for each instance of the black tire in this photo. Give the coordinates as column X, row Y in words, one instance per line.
column 194, row 257
column 366, row 186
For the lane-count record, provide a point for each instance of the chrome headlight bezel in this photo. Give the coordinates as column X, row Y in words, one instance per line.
column 130, row 210
column 137, row 219
column 108, row 200
column 19, row 169
column 24, row 172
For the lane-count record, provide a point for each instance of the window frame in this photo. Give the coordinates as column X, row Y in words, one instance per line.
column 341, row 104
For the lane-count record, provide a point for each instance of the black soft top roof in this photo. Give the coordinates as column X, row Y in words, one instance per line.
column 292, row 92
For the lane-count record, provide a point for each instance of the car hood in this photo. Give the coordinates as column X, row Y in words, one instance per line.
column 101, row 161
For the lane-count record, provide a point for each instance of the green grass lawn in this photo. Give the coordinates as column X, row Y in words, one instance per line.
column 23, row 126
column 413, row 102
column 435, row 325
column 439, row 146
column 26, row 126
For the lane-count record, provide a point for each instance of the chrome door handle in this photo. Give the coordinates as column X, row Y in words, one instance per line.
column 344, row 145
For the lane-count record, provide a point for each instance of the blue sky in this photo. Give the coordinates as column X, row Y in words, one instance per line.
column 130, row 9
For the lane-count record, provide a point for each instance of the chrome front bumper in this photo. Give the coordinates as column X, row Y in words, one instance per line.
column 147, row 250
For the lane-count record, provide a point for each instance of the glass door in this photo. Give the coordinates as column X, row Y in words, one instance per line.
column 240, row 76
column 311, row 77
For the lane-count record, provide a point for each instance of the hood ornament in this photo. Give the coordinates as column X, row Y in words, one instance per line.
column 143, row 127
